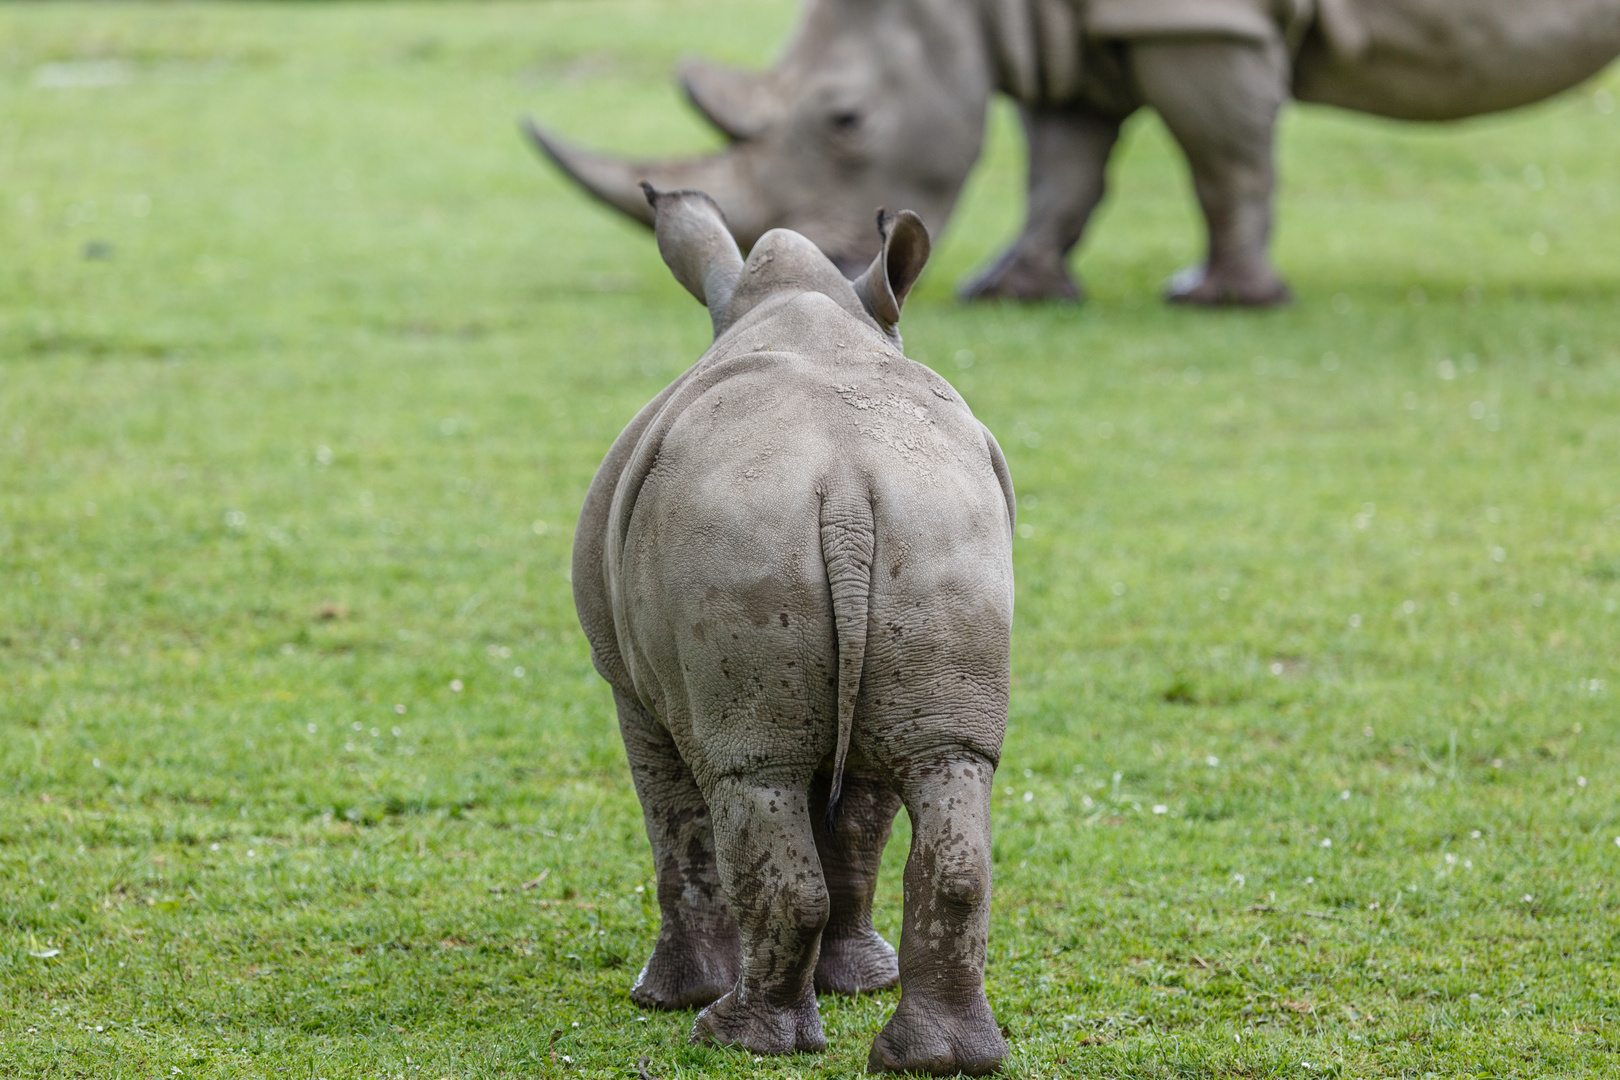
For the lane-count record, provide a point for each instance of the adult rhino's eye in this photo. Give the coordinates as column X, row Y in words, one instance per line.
column 846, row 120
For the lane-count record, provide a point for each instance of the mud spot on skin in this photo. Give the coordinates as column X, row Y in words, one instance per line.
column 784, row 619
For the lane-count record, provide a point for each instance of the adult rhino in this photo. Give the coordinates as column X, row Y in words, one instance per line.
column 882, row 103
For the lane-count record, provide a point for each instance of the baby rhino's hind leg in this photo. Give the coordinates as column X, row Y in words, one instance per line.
column 943, row 1024
column 854, row 957
column 696, row 956
column 767, row 856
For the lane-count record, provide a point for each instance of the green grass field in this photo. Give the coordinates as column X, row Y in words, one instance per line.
column 305, row 363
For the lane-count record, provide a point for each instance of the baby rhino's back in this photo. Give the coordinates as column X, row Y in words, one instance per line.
column 725, row 606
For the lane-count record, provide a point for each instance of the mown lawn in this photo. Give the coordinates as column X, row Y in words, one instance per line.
column 305, row 362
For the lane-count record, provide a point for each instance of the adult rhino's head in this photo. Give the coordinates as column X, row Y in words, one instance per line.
column 696, row 243
column 876, row 103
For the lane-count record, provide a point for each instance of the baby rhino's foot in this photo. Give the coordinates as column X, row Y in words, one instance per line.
column 687, row 971
column 928, row 1036
column 756, row 1025
column 855, row 962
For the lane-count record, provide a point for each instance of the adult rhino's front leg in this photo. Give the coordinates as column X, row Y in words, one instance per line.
column 1068, row 160
column 696, row 957
column 943, row 1024
column 854, row 957
column 1220, row 100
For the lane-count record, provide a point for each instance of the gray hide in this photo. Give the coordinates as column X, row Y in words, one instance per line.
column 882, row 102
column 795, row 570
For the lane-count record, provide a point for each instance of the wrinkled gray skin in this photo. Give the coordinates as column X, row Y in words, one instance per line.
column 795, row 570
column 882, row 103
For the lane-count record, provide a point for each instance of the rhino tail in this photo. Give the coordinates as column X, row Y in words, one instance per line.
column 848, row 536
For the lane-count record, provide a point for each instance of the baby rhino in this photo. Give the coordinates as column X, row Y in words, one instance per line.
column 795, row 570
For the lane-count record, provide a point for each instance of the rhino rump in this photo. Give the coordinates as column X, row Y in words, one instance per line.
column 720, row 591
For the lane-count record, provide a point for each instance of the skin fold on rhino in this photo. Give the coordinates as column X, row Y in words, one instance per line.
column 882, row 103
column 794, row 568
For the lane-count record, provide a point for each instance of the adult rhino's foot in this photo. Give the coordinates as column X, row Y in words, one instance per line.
column 1203, row 286
column 1023, row 275
column 688, row 970
column 856, row 961
column 758, row 1026
column 939, row 1039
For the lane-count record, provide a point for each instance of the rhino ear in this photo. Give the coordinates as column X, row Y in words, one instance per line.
column 740, row 103
column 885, row 284
column 697, row 246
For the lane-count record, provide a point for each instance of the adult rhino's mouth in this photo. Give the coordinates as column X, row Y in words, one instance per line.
column 852, row 263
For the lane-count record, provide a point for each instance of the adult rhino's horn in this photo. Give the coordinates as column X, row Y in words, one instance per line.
column 740, row 103
column 725, row 176
column 615, row 182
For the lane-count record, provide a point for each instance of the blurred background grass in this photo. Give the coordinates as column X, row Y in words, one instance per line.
column 305, row 363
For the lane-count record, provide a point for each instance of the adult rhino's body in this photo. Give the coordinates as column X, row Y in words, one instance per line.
column 882, row 102
column 795, row 570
